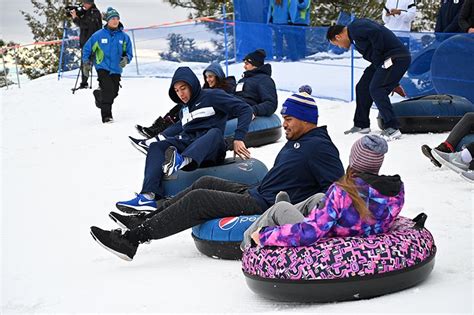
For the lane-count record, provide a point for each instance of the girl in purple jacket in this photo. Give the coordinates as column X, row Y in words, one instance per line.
column 360, row 203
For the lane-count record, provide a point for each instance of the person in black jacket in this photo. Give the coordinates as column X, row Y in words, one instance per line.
column 214, row 78
column 389, row 60
column 447, row 20
column 466, row 17
column 257, row 88
column 308, row 163
column 89, row 21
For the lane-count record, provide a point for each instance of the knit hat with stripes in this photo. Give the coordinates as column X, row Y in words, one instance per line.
column 367, row 154
column 301, row 106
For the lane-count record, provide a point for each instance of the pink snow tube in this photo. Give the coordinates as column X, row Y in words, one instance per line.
column 344, row 268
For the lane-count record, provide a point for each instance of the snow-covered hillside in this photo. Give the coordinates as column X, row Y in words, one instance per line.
column 63, row 170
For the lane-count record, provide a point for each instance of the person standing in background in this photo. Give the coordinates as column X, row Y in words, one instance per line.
column 89, row 21
column 447, row 20
column 389, row 60
column 278, row 15
column 300, row 17
column 398, row 15
column 111, row 50
column 466, row 17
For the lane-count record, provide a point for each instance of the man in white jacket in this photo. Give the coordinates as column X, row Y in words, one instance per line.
column 399, row 14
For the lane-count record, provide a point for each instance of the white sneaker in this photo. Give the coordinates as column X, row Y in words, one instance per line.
column 451, row 160
column 390, row 134
column 355, row 129
column 469, row 176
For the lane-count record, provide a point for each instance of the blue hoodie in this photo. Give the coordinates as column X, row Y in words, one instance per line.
column 279, row 14
column 108, row 47
column 299, row 11
column 302, row 168
column 375, row 42
column 208, row 108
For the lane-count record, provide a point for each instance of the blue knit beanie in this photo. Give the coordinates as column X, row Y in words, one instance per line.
column 111, row 12
column 301, row 106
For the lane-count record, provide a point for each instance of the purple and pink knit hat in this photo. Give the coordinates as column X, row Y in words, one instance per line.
column 367, row 154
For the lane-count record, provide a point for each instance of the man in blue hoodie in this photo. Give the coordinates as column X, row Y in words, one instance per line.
column 308, row 163
column 196, row 138
column 389, row 60
column 111, row 50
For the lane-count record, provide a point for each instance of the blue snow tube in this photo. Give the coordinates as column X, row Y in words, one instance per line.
column 248, row 172
column 262, row 130
column 221, row 238
column 432, row 113
column 465, row 141
column 452, row 66
column 417, row 81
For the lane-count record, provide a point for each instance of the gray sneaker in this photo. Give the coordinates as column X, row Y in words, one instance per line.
column 390, row 134
column 469, row 176
column 451, row 160
column 357, row 130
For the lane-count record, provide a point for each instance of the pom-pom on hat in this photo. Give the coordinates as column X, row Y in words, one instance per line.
column 367, row 154
column 301, row 106
column 111, row 13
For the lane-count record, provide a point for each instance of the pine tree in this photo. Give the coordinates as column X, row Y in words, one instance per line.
column 5, row 54
column 46, row 24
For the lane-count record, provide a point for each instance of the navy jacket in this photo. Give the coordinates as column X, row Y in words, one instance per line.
column 258, row 90
column 208, row 109
column 375, row 42
column 447, row 20
column 466, row 16
column 302, row 168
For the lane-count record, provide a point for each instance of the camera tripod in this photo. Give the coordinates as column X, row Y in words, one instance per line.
column 75, row 88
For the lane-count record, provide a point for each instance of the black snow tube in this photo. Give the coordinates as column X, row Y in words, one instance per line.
column 432, row 113
column 262, row 130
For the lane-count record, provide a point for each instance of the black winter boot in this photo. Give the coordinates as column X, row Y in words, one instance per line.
column 127, row 222
column 427, row 152
column 115, row 242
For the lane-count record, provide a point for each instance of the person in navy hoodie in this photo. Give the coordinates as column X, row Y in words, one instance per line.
column 214, row 78
column 389, row 60
column 198, row 137
column 257, row 87
column 447, row 20
column 308, row 163
column 111, row 50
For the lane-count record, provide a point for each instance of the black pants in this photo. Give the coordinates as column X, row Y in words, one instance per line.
column 109, row 87
column 462, row 128
column 375, row 85
column 207, row 198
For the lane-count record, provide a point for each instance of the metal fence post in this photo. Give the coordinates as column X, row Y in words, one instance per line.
column 5, row 71
column 62, row 51
column 352, row 64
column 235, row 38
column 16, row 67
column 135, row 52
column 225, row 42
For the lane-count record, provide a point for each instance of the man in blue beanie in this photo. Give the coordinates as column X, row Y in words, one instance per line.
column 111, row 50
column 307, row 164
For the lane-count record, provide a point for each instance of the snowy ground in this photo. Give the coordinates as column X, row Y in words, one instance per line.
column 69, row 170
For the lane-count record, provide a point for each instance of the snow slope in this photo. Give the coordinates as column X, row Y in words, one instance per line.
column 63, row 170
